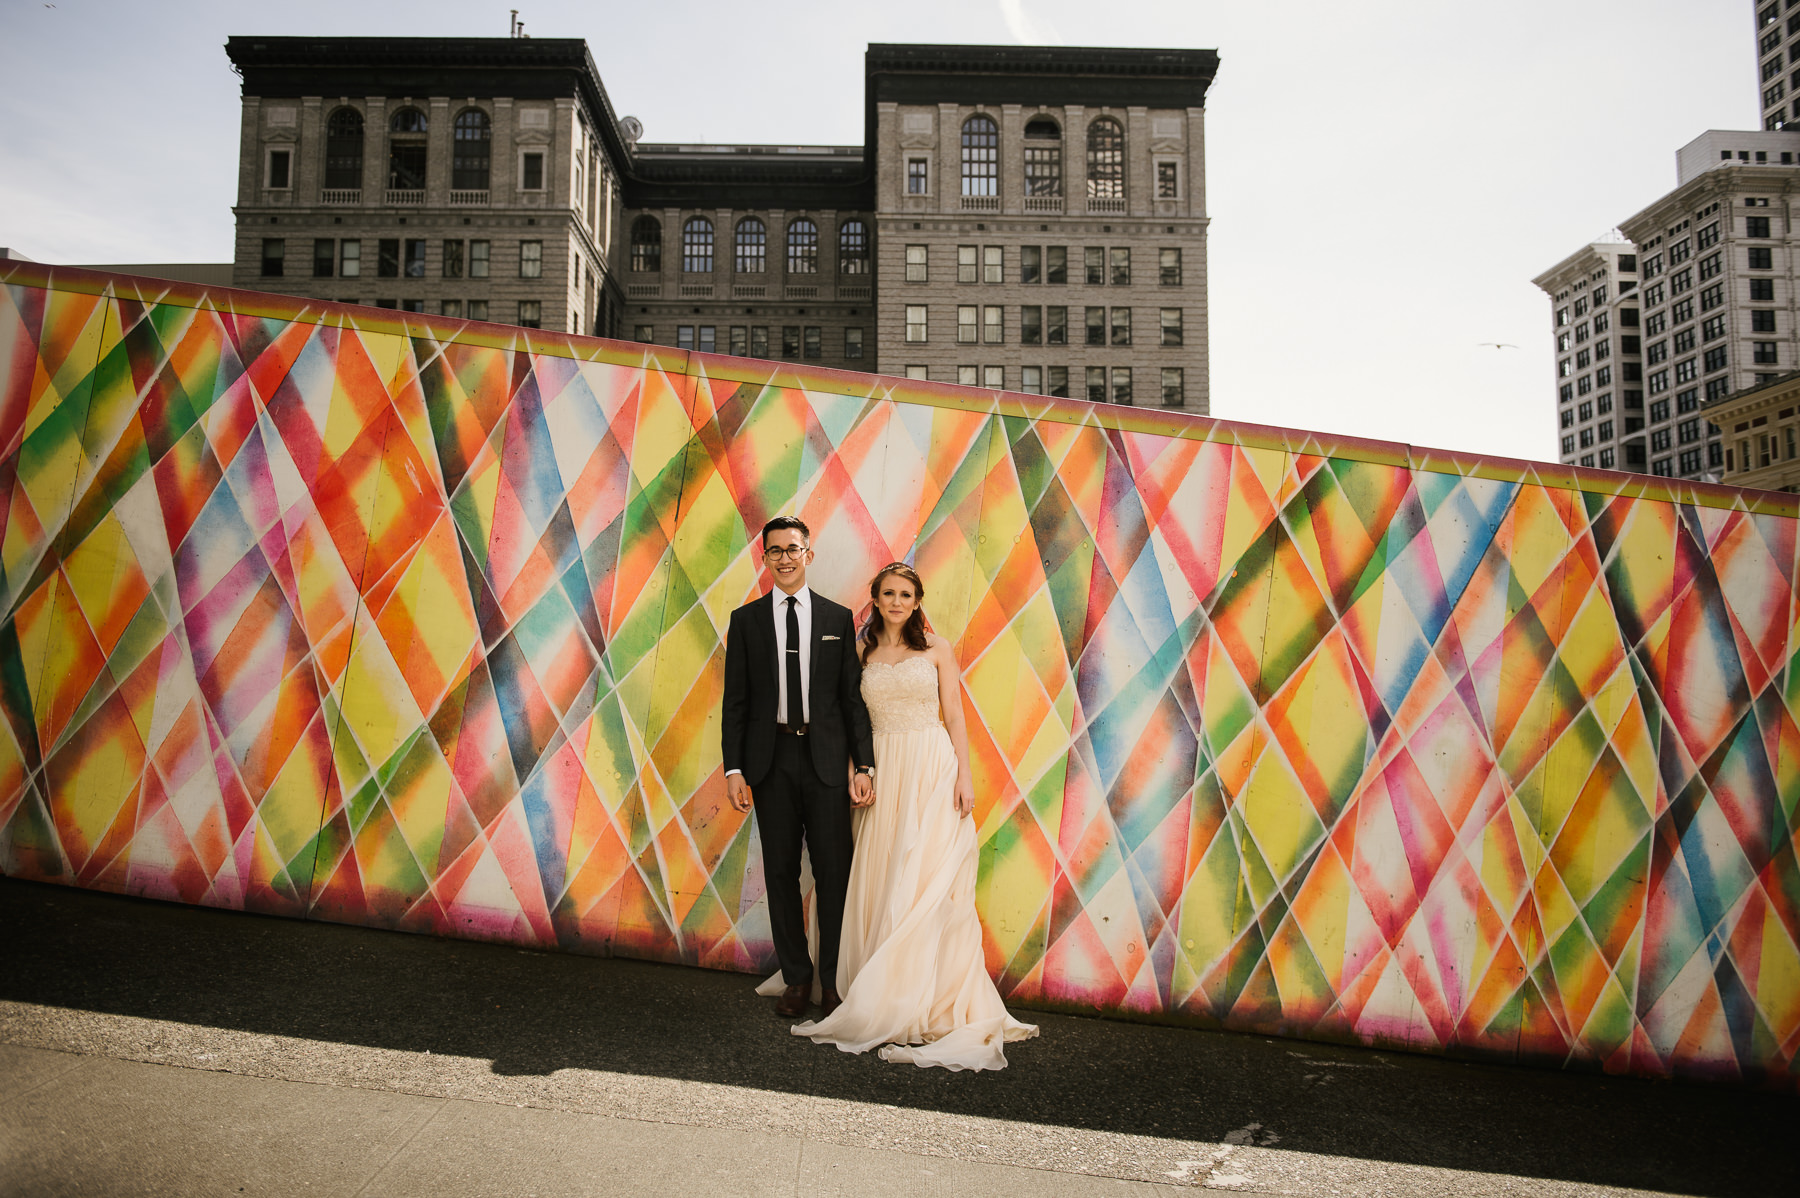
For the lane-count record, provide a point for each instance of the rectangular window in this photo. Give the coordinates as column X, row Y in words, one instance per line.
column 1094, row 262
column 918, row 176
column 1685, row 401
column 1756, row 226
column 453, row 260
column 324, row 257
column 415, row 258
column 1659, row 440
column 853, row 343
column 759, row 340
column 450, row 308
column 1096, row 326
column 709, row 339
column 1659, row 411
column 478, row 309
column 1031, row 326
column 1678, row 252
column 531, row 314
column 1715, row 360
column 1056, row 326
column 915, row 322
column 790, row 341
column 1168, row 181
column 968, row 267
column 349, row 259
column 1121, row 384
column 968, row 376
column 1606, row 458
column 684, row 336
column 740, row 341
column 1096, row 384
column 1121, row 326
column 1043, row 170
column 814, row 340
column 1681, row 280
column 1712, row 328
column 1658, row 352
column 412, row 305
column 1712, row 297
column 1602, row 377
column 478, row 259
column 1658, row 382
column 531, row 259
column 1031, row 380
column 1763, row 353
column 1031, row 264
column 994, row 376
column 274, row 257
column 993, row 264
column 1762, row 291
column 388, row 266
column 1168, row 269
column 915, row 264
column 1056, row 264
column 1710, row 266
column 280, row 174
column 968, row 318
column 1056, row 381
column 1761, row 258
column 1717, row 388
column 1707, row 237
column 993, row 325
column 1173, row 392
column 918, row 372
column 1682, row 311
column 1762, row 321
column 531, row 171
column 1120, row 260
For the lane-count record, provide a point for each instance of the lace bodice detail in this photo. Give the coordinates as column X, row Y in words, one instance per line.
column 901, row 696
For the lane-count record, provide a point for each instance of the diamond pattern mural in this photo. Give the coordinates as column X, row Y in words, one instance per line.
column 405, row 622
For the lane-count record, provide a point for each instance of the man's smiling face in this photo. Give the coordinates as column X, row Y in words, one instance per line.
column 787, row 556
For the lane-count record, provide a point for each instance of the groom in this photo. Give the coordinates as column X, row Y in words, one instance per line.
column 793, row 719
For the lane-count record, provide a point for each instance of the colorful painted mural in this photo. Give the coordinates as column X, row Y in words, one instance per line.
column 414, row 623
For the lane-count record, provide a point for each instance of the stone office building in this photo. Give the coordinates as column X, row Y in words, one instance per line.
column 1023, row 218
column 466, row 177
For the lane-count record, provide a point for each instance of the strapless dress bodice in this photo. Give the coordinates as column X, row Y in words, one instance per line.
column 901, row 696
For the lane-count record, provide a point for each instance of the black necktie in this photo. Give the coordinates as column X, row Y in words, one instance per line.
column 796, row 698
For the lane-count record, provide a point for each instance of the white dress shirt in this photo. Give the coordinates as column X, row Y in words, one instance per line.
column 803, row 612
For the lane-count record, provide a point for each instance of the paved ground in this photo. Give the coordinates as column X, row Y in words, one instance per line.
column 155, row 1049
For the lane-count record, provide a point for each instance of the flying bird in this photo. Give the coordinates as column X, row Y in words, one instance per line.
column 1495, row 344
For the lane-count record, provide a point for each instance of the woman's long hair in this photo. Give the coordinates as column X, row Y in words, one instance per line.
column 912, row 633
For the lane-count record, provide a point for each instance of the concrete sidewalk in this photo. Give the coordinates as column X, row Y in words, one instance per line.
column 154, row 1049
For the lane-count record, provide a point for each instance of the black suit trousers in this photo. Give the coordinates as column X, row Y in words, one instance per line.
column 794, row 806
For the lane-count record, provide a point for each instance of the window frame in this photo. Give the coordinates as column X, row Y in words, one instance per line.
column 980, row 156
column 699, row 243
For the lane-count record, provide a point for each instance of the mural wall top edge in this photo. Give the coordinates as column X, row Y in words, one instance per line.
column 1141, row 421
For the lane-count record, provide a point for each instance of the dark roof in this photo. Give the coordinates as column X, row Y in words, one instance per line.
column 791, row 177
column 527, row 68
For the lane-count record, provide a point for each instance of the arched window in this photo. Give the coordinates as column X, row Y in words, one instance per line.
column 803, row 247
column 646, row 244
column 853, row 248
column 697, row 246
column 469, row 160
column 1106, row 160
column 344, row 149
column 980, row 156
column 1043, row 157
column 752, row 246
column 406, row 150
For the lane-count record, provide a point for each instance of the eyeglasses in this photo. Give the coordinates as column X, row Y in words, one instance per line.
column 787, row 551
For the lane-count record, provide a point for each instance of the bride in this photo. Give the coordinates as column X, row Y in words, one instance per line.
column 910, row 964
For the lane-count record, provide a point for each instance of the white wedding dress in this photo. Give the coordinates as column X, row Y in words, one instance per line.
column 910, row 964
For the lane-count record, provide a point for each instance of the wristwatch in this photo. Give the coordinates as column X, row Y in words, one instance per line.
column 867, row 771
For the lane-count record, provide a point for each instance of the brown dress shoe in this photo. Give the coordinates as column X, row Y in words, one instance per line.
column 829, row 1001
column 793, row 1000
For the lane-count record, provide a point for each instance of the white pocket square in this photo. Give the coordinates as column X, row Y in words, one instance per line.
column 831, row 638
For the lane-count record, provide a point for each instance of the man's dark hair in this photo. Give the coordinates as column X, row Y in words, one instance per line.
column 781, row 522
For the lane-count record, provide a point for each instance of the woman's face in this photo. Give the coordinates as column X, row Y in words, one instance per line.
column 896, row 598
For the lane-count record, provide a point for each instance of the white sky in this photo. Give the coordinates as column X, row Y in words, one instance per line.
column 1384, row 178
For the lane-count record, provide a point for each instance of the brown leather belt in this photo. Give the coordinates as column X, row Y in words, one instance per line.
column 791, row 729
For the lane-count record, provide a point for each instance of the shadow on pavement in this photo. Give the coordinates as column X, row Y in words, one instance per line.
column 534, row 1013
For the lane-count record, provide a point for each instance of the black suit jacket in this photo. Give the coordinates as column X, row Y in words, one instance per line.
column 837, row 721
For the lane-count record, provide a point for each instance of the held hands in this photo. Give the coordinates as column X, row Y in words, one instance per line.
column 862, row 788
column 738, row 791
column 965, row 796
